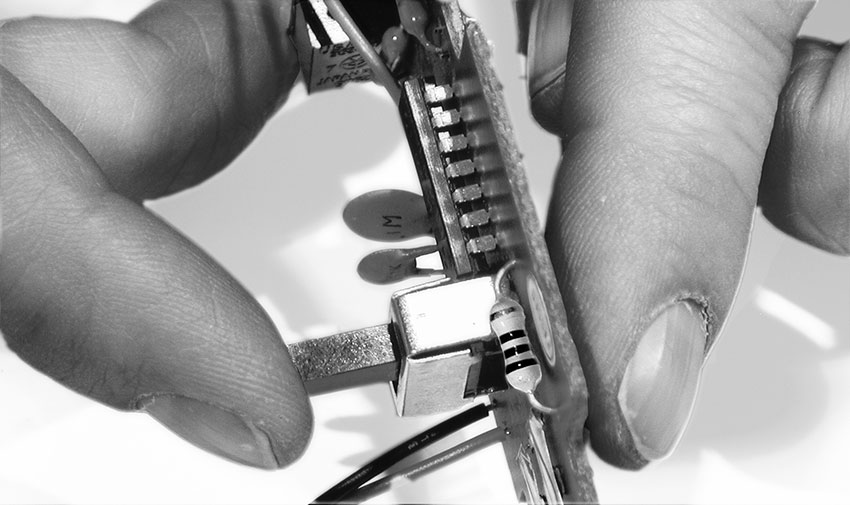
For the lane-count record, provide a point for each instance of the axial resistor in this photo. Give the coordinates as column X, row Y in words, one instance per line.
column 522, row 370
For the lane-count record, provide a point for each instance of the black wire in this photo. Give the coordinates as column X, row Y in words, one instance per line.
column 383, row 462
column 422, row 468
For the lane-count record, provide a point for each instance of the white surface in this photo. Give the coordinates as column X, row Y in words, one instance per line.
column 770, row 425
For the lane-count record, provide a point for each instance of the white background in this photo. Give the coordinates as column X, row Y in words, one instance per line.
column 770, row 426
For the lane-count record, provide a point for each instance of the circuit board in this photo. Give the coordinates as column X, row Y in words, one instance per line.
column 438, row 351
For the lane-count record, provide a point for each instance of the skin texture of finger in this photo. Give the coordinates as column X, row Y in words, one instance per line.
column 108, row 300
column 668, row 107
column 548, row 40
column 805, row 185
column 167, row 100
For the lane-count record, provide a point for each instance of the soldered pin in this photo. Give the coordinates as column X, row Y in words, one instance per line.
column 482, row 244
column 467, row 193
column 450, row 143
column 460, row 168
column 394, row 265
column 438, row 93
column 388, row 215
column 441, row 118
column 475, row 218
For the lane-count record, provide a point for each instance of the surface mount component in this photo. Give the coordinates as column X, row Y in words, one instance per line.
column 439, row 352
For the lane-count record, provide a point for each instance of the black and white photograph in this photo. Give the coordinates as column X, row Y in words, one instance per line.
column 424, row 251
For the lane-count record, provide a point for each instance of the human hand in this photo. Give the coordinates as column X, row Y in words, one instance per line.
column 96, row 291
column 678, row 119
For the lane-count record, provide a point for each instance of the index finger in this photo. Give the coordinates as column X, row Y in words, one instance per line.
column 110, row 301
column 167, row 100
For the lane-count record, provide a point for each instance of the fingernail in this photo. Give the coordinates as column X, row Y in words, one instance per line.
column 660, row 384
column 549, row 37
column 285, row 14
column 547, row 57
column 213, row 429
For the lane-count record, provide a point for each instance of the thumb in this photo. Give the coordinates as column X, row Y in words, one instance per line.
column 548, row 33
column 667, row 111
column 110, row 301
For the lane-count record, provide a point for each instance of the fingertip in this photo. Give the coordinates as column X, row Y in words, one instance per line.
column 112, row 302
column 214, row 429
column 659, row 386
column 266, row 442
column 246, row 403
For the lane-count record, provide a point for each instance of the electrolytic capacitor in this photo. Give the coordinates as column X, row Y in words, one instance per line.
column 388, row 215
column 394, row 265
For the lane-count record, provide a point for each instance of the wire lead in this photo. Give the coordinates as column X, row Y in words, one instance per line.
column 501, row 274
column 386, row 460
column 412, row 472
